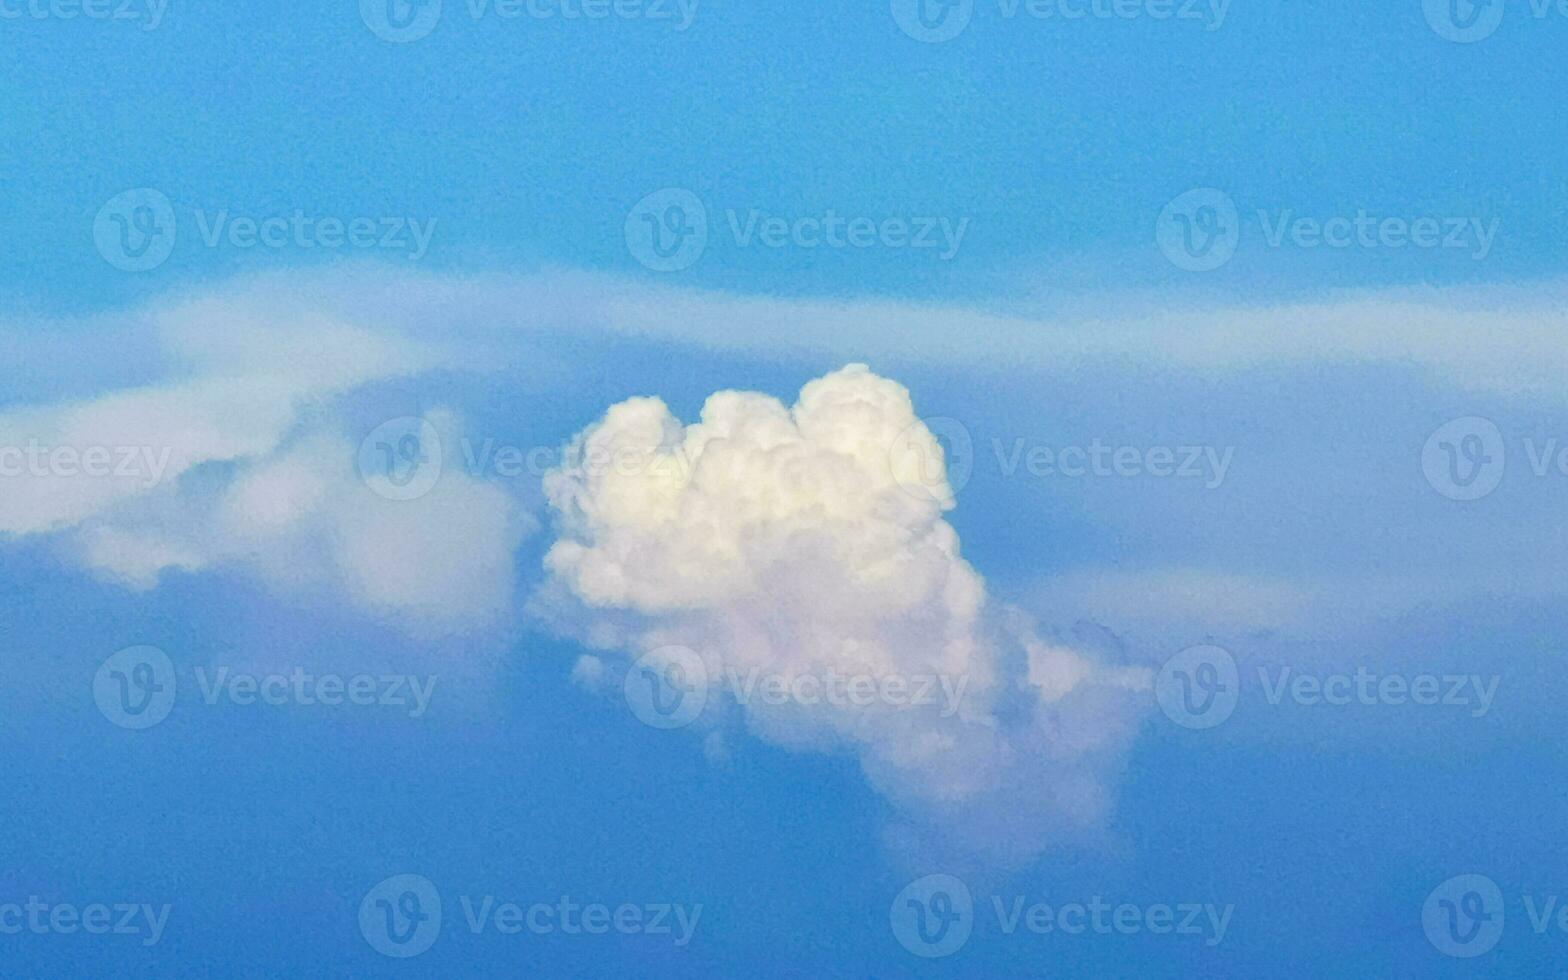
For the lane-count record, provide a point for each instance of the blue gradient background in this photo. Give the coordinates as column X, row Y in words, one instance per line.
column 528, row 141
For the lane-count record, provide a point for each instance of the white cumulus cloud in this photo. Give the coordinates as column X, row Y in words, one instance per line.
column 794, row 546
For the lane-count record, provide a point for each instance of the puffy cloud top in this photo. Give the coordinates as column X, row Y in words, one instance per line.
column 804, row 542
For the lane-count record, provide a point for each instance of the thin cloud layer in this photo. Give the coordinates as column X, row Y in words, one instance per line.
column 237, row 460
column 302, row 520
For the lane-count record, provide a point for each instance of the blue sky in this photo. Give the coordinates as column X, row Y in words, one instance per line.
column 1238, row 330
